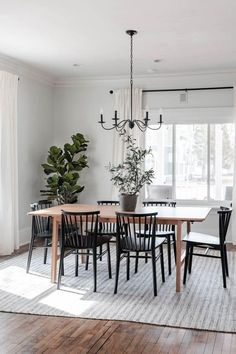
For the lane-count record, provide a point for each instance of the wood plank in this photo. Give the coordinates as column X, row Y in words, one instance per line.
column 99, row 343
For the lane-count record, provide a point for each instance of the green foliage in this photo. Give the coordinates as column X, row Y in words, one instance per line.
column 62, row 168
column 130, row 176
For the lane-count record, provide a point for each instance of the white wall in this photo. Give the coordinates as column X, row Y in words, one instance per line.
column 77, row 110
column 35, row 133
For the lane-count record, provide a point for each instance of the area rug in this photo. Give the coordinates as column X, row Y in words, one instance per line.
column 202, row 304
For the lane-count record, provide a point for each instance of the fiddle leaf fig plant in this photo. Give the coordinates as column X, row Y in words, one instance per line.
column 130, row 176
column 62, row 168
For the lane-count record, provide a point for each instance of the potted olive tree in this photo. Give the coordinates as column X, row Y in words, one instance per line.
column 63, row 168
column 130, row 175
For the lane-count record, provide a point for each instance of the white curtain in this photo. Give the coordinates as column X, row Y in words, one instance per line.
column 9, row 239
column 233, row 217
column 122, row 105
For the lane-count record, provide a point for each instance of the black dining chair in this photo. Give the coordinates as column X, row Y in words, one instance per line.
column 107, row 228
column 79, row 233
column 167, row 231
column 208, row 242
column 40, row 230
column 129, row 244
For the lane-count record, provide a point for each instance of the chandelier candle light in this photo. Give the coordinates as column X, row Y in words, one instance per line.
column 141, row 124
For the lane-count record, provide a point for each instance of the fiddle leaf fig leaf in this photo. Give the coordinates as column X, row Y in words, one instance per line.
column 62, row 167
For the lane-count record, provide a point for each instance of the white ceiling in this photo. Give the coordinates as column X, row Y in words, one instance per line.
column 52, row 35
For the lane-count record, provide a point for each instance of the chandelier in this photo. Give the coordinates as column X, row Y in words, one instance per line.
column 143, row 124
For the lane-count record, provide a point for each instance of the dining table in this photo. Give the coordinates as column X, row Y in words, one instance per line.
column 177, row 216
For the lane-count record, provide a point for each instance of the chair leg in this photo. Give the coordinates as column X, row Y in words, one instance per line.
column 95, row 269
column 154, row 272
column 146, row 257
column 136, row 262
column 45, row 251
column 162, row 264
column 76, row 264
column 61, row 265
column 226, row 262
column 190, row 259
column 174, row 246
column 186, row 263
column 31, row 246
column 169, row 254
column 87, row 260
column 127, row 266
column 100, row 252
column 109, row 260
column 222, row 256
column 117, row 270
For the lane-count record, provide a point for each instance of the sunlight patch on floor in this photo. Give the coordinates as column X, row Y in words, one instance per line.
column 69, row 300
column 14, row 280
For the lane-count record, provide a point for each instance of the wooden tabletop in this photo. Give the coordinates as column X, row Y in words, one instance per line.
column 107, row 212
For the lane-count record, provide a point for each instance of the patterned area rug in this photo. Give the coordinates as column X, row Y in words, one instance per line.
column 202, row 304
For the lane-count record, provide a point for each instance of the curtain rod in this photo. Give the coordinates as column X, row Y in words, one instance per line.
column 188, row 89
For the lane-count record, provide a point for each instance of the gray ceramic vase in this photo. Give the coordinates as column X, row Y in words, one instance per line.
column 128, row 202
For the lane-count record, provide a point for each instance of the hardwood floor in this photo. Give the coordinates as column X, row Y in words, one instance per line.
column 29, row 334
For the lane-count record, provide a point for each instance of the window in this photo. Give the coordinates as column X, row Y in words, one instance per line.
column 194, row 161
column 221, row 161
column 191, row 161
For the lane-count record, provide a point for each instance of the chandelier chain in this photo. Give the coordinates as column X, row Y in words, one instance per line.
column 131, row 60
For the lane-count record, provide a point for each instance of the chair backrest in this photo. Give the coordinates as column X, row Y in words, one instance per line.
column 162, row 227
column 136, row 232
column 108, row 202
column 79, row 229
column 159, row 203
column 41, row 204
column 40, row 225
column 224, row 219
column 107, row 227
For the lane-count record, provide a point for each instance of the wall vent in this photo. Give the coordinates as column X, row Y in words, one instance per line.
column 183, row 97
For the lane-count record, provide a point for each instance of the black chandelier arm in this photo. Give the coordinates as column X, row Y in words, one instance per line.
column 121, row 125
column 144, row 125
column 140, row 124
column 160, row 124
column 118, row 126
column 102, row 124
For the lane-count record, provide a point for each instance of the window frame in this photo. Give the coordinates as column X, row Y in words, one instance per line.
column 208, row 201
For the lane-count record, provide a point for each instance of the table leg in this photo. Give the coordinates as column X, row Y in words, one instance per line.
column 188, row 226
column 178, row 256
column 54, row 250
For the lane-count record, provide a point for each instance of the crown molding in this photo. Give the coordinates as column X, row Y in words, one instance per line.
column 20, row 68
column 76, row 81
